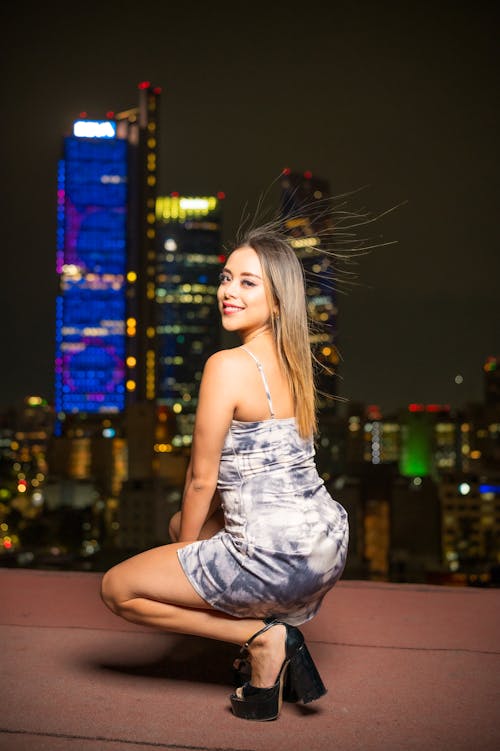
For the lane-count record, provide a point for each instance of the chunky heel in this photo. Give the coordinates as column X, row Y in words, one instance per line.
column 304, row 681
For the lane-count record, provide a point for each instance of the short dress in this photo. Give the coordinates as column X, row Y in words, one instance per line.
column 284, row 543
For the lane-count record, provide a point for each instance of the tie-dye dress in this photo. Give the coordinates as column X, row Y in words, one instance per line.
column 284, row 543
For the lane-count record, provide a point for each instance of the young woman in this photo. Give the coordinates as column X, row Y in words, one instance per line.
column 258, row 541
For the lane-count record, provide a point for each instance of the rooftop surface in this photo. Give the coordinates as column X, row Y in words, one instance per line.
column 407, row 666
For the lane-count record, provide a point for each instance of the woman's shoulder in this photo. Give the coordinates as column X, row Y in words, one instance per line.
column 229, row 360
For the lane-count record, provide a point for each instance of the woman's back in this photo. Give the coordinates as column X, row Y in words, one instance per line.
column 284, row 538
column 252, row 403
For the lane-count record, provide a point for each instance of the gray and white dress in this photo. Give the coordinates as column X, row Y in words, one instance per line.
column 284, row 543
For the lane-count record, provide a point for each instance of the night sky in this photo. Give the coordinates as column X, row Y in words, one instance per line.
column 399, row 97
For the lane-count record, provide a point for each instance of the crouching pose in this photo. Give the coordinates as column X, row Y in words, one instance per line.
column 259, row 540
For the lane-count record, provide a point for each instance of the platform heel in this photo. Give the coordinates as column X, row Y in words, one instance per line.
column 242, row 673
column 260, row 704
column 303, row 680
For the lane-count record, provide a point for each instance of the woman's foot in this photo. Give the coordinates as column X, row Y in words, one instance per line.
column 277, row 652
column 267, row 654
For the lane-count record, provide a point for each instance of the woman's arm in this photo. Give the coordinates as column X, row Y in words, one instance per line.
column 216, row 404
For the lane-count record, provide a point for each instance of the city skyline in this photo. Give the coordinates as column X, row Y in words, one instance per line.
column 401, row 103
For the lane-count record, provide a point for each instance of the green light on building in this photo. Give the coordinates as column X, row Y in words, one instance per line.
column 417, row 437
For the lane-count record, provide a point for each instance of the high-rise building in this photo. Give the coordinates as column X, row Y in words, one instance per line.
column 189, row 259
column 92, row 265
column 105, row 333
column 302, row 197
column 470, row 510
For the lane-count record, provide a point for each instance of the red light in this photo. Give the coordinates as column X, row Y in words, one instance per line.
column 286, row 171
column 110, row 115
column 308, row 175
column 157, row 90
column 23, row 483
column 7, row 544
column 222, row 259
column 415, row 407
column 221, row 195
column 373, row 412
column 175, row 194
column 144, row 85
column 83, row 114
column 438, row 408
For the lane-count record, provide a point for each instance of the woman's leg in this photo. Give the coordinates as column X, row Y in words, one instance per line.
column 152, row 589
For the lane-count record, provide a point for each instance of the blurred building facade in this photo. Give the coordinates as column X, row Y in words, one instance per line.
column 422, row 488
column 311, row 229
column 189, row 260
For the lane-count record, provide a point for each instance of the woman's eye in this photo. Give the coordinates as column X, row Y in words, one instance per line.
column 248, row 283
column 223, row 277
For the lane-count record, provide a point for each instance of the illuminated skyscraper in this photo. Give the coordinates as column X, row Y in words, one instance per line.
column 189, row 261
column 106, row 261
column 91, row 263
column 300, row 197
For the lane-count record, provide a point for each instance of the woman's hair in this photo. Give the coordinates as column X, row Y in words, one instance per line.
column 285, row 289
column 338, row 231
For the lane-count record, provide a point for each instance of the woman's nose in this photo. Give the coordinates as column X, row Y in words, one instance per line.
column 229, row 289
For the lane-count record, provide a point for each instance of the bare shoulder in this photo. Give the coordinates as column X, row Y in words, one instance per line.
column 221, row 383
column 228, row 361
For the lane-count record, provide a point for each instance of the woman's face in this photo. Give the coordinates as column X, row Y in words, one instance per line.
column 241, row 295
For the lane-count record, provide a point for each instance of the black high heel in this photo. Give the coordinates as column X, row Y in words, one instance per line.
column 242, row 672
column 304, row 681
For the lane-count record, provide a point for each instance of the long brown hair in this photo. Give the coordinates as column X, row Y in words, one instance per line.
column 285, row 289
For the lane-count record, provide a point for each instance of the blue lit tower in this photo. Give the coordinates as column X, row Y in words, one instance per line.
column 188, row 264
column 301, row 195
column 91, row 264
column 105, row 235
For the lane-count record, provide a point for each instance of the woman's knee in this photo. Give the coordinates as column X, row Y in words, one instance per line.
column 110, row 591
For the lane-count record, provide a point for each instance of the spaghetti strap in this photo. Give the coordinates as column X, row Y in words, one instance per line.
column 264, row 380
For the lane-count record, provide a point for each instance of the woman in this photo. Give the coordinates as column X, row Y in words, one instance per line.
column 259, row 541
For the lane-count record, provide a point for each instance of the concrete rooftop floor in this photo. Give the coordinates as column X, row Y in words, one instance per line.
column 408, row 667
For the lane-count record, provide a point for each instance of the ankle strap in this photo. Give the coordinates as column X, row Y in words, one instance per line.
column 269, row 623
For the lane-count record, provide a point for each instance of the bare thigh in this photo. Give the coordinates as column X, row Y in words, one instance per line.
column 154, row 575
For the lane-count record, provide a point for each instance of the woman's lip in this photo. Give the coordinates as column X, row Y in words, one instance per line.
column 231, row 309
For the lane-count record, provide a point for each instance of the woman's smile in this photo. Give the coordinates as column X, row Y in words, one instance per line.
column 230, row 308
